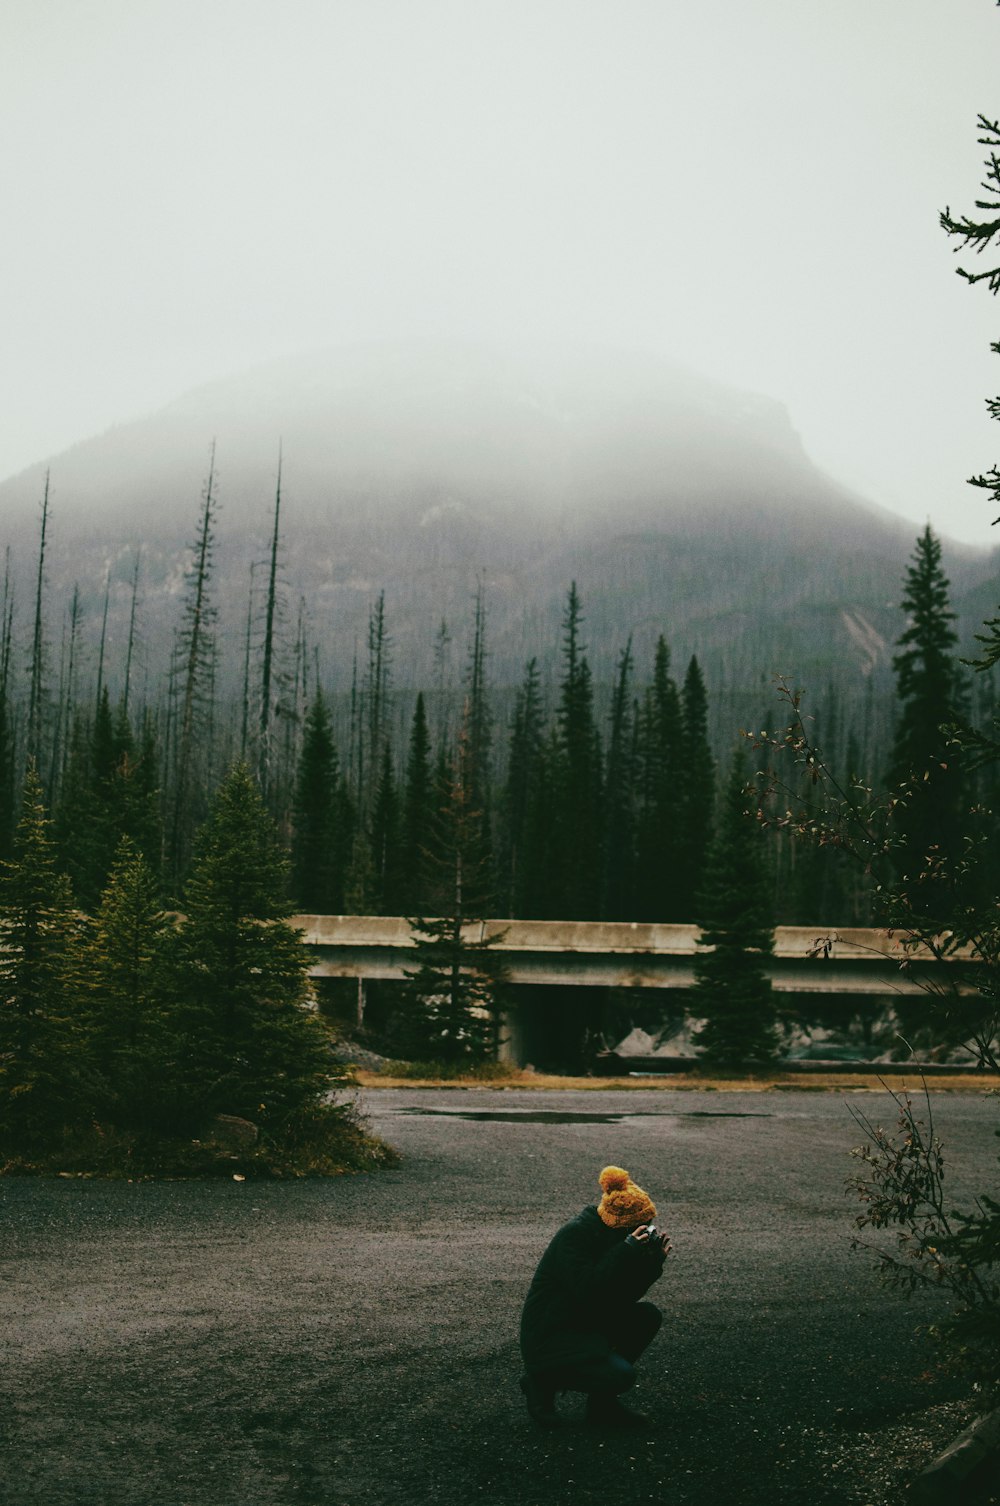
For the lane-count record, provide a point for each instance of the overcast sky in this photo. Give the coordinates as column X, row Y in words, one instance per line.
column 193, row 187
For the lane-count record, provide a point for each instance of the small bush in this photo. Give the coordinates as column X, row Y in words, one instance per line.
column 918, row 1240
column 325, row 1140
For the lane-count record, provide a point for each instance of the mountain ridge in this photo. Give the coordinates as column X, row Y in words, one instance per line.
column 678, row 505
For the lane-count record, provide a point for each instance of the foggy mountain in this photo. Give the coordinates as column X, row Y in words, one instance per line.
column 677, row 504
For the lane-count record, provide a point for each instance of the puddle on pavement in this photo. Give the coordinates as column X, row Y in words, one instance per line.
column 558, row 1116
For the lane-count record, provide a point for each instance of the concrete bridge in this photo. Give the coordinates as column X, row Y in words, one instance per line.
column 624, row 954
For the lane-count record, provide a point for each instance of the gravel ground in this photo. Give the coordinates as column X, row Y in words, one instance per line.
column 354, row 1342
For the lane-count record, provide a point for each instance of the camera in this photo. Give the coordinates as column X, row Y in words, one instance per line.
column 652, row 1232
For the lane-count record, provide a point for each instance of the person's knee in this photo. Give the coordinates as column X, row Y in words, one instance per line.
column 621, row 1375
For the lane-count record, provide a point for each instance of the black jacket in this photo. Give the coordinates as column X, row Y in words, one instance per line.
column 588, row 1274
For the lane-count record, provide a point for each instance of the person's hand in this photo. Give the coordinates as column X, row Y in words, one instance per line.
column 641, row 1237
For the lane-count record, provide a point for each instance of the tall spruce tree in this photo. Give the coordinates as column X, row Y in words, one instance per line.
column 926, row 768
column 127, row 1026
column 318, row 854
column 732, row 992
column 386, row 841
column 192, row 690
column 523, row 836
column 578, row 785
column 268, row 676
column 697, row 781
column 45, row 1083
column 81, row 819
column 135, row 787
column 246, row 1041
column 374, row 707
column 418, row 812
column 661, row 883
column 453, row 993
column 619, row 887
column 478, row 714
column 109, row 791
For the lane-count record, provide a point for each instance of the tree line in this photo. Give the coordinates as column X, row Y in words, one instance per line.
column 133, row 808
column 126, row 1028
column 584, row 803
column 597, row 801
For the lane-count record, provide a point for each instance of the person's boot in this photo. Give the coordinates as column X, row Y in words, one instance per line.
column 540, row 1401
column 606, row 1411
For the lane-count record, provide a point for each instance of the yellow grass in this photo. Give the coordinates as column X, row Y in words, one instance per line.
column 695, row 1082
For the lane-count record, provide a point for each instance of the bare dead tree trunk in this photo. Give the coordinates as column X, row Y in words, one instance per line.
column 264, row 771
column 247, row 642
column 194, row 677
column 131, row 632
column 36, row 692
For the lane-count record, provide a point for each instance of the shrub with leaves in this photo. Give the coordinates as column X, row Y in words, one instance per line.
column 920, row 1242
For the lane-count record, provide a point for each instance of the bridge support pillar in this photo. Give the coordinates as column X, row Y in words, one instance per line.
column 511, row 1037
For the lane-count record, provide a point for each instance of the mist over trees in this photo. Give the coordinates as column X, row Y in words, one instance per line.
column 596, row 792
column 159, row 830
column 596, row 798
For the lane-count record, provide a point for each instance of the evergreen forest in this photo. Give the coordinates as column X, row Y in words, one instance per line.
column 597, row 800
column 156, row 835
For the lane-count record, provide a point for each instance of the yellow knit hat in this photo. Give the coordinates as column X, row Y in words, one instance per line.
column 624, row 1205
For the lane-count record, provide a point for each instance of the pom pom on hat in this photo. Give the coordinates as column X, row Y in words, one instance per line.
column 624, row 1205
column 613, row 1179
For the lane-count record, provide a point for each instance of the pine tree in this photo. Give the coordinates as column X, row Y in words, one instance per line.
column 109, row 792
column 523, row 825
column 192, row 688
column 619, row 889
column 542, row 861
column 127, row 1026
column 45, row 1085
column 661, row 884
column 375, row 706
column 66, row 706
column 453, row 994
column 442, row 684
column 732, row 992
column 265, row 751
column 418, row 810
column 317, row 851
column 697, row 782
column 478, row 716
column 81, row 819
column 247, row 1043
column 928, row 687
column 578, row 791
column 386, row 845
column 135, row 789
column 359, row 875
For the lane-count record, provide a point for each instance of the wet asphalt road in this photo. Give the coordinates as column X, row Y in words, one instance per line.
column 354, row 1342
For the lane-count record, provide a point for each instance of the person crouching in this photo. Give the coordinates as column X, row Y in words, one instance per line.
column 584, row 1325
